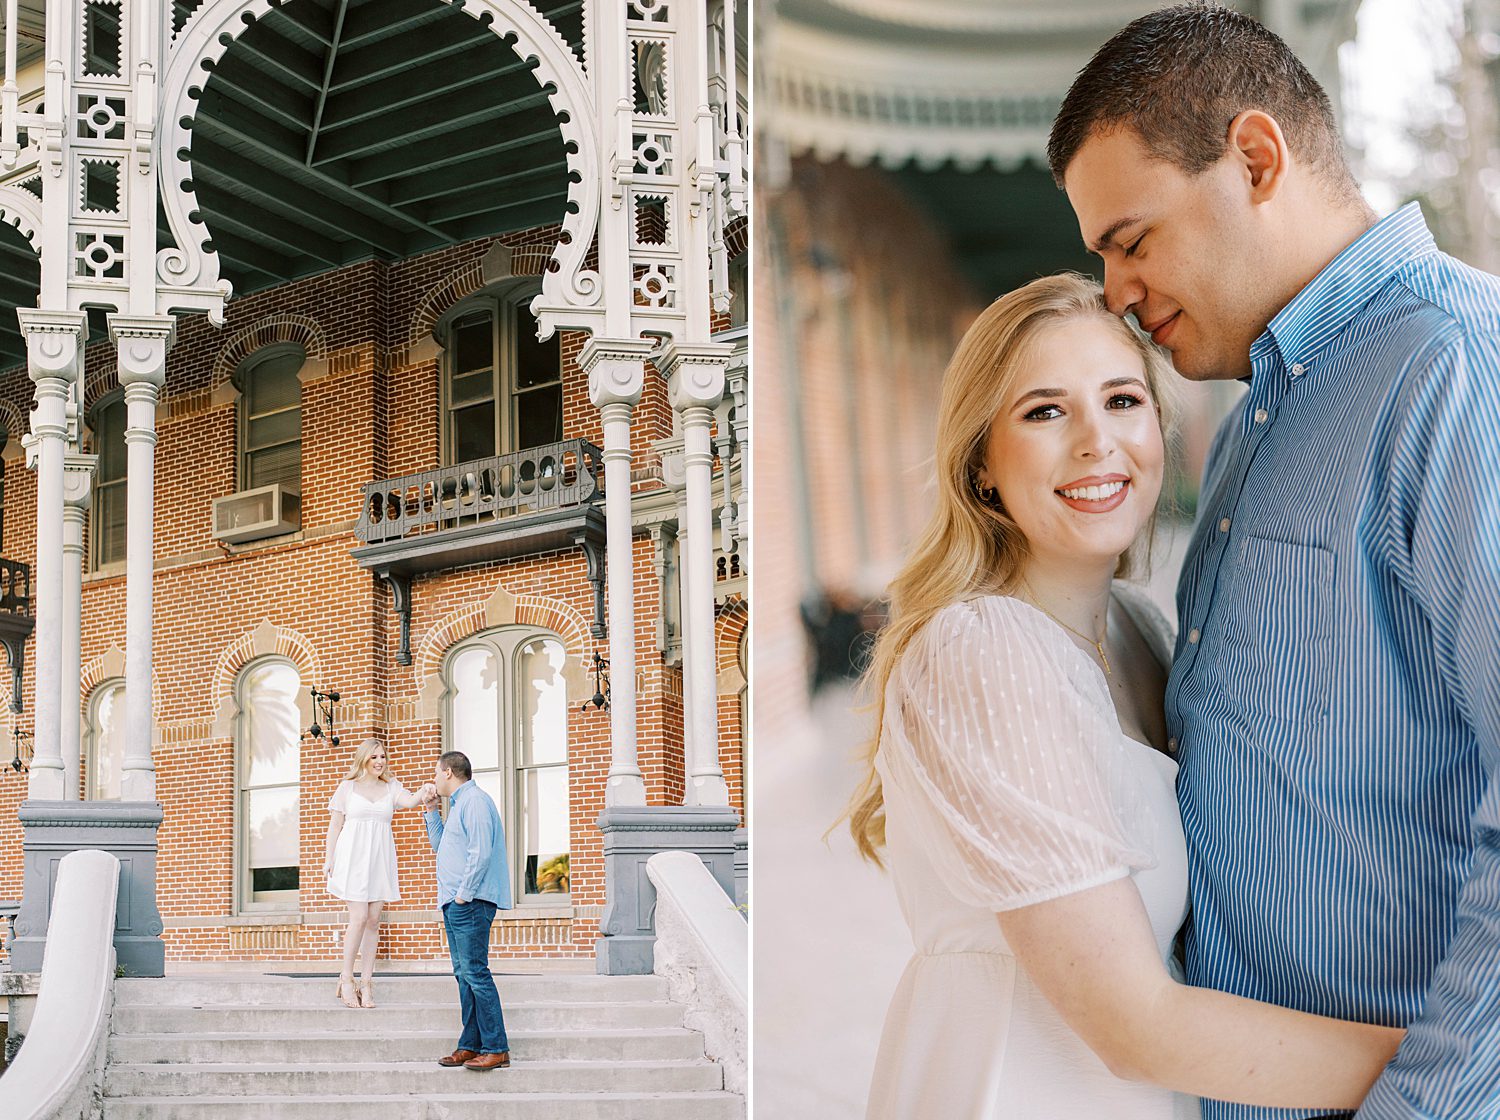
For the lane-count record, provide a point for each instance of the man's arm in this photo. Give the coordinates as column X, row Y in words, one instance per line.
column 1445, row 540
column 434, row 821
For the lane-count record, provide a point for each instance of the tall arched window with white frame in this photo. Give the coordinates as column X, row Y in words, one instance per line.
column 270, row 418
column 506, row 708
column 107, row 516
column 104, row 740
column 269, row 773
column 502, row 389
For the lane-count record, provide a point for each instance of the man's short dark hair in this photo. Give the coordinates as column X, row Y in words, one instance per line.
column 457, row 764
column 1177, row 78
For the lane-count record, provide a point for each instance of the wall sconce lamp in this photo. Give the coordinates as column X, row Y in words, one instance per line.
column 21, row 740
column 323, row 703
column 600, row 698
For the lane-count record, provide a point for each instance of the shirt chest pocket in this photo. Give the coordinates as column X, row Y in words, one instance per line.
column 1273, row 647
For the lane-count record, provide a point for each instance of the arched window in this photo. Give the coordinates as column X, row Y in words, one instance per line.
column 270, row 420
column 107, row 521
column 502, row 389
column 268, row 765
column 507, row 709
column 104, row 740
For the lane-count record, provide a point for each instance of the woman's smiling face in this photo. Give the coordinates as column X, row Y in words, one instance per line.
column 1076, row 451
column 375, row 764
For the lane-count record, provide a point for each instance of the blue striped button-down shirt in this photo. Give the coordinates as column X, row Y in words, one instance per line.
column 1336, row 693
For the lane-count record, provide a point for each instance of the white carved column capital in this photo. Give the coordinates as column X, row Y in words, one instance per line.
column 616, row 369
column 78, row 482
column 141, row 343
column 695, row 373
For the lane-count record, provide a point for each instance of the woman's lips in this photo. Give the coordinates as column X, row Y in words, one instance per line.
column 1100, row 505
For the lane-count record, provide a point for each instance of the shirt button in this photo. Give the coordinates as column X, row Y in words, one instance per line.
column 1171, row 746
column 1224, row 525
column 1297, row 369
column 1193, row 636
column 1261, row 415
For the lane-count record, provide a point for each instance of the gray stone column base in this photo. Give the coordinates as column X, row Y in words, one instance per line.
column 124, row 829
column 634, row 834
column 742, row 868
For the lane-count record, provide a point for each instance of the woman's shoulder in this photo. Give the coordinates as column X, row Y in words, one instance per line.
column 993, row 621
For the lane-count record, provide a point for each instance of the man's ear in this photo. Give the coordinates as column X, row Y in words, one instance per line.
column 1257, row 142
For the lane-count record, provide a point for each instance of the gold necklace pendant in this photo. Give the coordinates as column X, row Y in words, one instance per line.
column 1097, row 643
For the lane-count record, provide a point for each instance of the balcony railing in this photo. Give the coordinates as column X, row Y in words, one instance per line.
column 553, row 476
column 524, row 503
column 16, row 621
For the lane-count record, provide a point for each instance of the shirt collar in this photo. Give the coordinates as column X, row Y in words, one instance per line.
column 459, row 792
column 1319, row 312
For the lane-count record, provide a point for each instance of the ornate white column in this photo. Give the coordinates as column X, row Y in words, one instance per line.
column 78, row 478
column 695, row 382
column 616, row 372
column 54, row 360
column 142, row 342
column 674, row 476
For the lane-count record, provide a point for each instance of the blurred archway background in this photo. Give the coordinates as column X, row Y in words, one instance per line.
column 902, row 185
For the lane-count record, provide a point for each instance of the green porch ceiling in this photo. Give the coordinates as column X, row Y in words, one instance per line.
column 338, row 131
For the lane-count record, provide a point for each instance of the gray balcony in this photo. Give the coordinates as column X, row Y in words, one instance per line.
column 537, row 500
column 16, row 621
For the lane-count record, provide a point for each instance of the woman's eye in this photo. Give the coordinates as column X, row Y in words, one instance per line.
column 1044, row 412
column 1122, row 401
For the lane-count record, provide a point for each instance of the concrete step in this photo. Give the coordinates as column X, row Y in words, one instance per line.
column 440, row 1106
column 408, row 1078
column 287, row 1020
column 647, row 1044
column 286, row 991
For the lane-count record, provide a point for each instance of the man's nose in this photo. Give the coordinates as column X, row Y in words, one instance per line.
column 1122, row 291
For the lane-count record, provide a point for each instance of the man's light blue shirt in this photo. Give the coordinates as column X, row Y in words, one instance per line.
column 1336, row 693
column 470, row 846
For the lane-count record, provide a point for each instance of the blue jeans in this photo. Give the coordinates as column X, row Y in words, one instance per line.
column 468, row 927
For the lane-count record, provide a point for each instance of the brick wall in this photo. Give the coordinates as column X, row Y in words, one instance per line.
column 370, row 409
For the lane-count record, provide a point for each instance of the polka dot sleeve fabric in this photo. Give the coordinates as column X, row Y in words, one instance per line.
column 339, row 802
column 1004, row 740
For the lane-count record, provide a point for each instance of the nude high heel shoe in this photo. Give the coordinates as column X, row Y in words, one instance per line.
column 347, row 992
column 367, row 993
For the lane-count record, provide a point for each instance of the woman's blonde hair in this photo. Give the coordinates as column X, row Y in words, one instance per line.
column 971, row 547
column 362, row 755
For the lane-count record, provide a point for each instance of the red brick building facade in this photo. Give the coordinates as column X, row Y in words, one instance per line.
column 372, row 407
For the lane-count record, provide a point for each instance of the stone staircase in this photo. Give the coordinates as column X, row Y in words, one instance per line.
column 279, row 1048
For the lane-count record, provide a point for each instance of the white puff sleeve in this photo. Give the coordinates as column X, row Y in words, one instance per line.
column 339, row 802
column 1017, row 779
column 398, row 790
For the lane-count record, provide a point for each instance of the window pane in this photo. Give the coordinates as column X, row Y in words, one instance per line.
column 110, row 525
column 473, row 344
column 271, row 384
column 271, row 725
column 275, row 464
column 539, row 417
column 109, row 743
column 537, row 363
column 271, row 828
column 278, row 427
column 109, row 441
column 543, row 702
column 473, row 433
column 476, row 708
column 493, row 783
column 739, row 284
column 467, row 388
column 544, row 797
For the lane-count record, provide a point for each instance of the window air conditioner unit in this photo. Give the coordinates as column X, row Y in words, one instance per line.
column 252, row 515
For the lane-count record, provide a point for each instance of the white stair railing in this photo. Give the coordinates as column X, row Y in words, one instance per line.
column 56, row 1074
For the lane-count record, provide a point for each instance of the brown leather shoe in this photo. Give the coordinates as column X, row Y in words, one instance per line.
column 457, row 1058
column 489, row 1061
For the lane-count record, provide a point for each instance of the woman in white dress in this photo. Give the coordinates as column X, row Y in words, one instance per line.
column 1021, row 786
column 360, row 863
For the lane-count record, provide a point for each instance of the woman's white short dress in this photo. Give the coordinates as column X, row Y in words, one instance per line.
column 364, row 857
column 1007, row 782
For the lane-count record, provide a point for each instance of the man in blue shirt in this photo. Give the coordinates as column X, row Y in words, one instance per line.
column 1335, row 701
column 473, row 882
